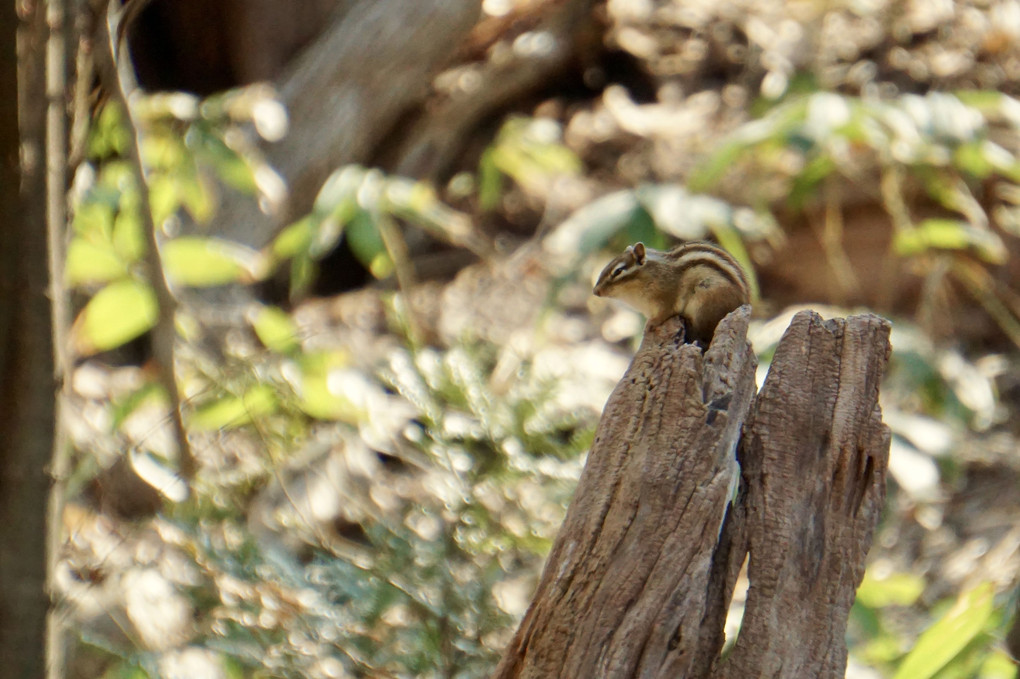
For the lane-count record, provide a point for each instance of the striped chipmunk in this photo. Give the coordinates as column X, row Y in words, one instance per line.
column 696, row 280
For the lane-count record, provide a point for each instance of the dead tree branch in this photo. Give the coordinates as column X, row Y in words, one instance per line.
column 121, row 83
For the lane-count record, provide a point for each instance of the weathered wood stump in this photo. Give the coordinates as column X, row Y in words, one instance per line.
column 641, row 574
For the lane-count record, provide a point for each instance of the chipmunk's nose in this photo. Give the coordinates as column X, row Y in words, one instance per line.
column 595, row 291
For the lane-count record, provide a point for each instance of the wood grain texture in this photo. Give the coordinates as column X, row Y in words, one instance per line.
column 623, row 591
column 641, row 575
column 814, row 455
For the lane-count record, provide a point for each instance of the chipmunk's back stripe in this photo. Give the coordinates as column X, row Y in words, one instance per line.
column 705, row 254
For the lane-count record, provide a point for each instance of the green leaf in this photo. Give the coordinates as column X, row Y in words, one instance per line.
column 339, row 191
column 276, row 330
column 731, row 241
column 128, row 236
column 91, row 263
column 314, row 235
column 641, row 227
column 117, row 314
column 949, row 234
column 109, row 135
column 944, row 640
column 593, row 225
column 490, row 182
column 204, row 262
column 196, row 195
column 998, row 665
column 897, row 589
column 328, row 231
column 162, row 151
column 984, row 100
column 125, row 670
column 681, row 214
column 529, row 150
column 707, row 174
column 235, row 411
column 303, row 271
column 805, row 184
column 93, row 219
column 180, row 184
column 296, row 239
column 367, row 245
column 417, row 203
column 162, row 198
column 123, row 407
column 971, row 158
column 884, row 649
column 1011, row 172
column 319, row 377
column 229, row 166
column 118, row 178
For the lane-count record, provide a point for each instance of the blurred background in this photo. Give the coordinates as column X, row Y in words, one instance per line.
column 382, row 221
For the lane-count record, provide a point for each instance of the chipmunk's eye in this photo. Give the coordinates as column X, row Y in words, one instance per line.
column 618, row 271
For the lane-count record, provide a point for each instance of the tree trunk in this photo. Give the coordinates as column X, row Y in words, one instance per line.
column 27, row 411
column 641, row 575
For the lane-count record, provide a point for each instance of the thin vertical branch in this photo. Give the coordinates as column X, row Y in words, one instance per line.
column 121, row 83
column 84, row 75
column 396, row 247
column 895, row 205
column 831, row 236
column 56, row 241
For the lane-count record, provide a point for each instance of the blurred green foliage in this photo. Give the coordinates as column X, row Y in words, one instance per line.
column 415, row 593
column 959, row 644
column 362, row 206
column 188, row 147
column 959, row 150
column 529, row 152
column 426, row 582
column 185, row 148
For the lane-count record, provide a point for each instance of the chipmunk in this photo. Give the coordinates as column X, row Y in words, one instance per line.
column 697, row 280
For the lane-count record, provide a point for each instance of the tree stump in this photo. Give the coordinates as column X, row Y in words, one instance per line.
column 641, row 575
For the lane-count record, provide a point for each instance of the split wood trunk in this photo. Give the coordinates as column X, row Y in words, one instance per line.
column 641, row 575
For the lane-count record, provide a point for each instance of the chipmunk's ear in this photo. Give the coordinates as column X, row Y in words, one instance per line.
column 639, row 252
